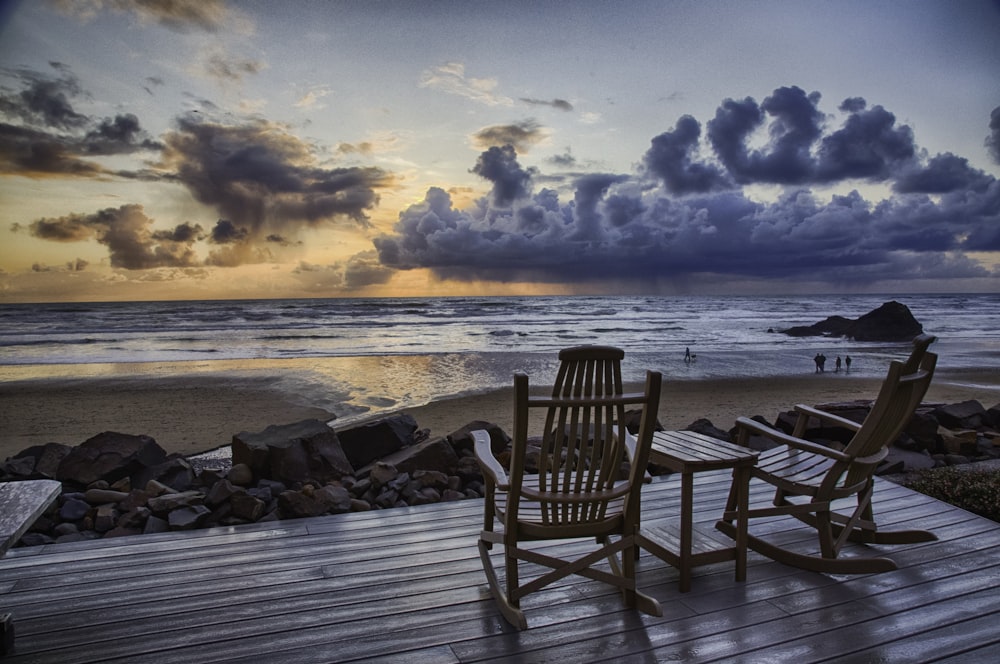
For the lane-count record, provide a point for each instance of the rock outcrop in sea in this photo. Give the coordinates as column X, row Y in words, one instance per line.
column 892, row 321
column 117, row 484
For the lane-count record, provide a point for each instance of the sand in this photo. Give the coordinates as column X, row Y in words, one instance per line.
column 191, row 414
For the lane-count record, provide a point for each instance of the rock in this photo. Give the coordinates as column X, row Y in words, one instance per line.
column 73, row 509
column 244, row 506
column 109, row 456
column 959, row 442
column 43, row 460
column 890, row 322
column 100, row 496
column 435, row 454
column 382, row 473
column 134, row 519
column 296, row 504
column 461, row 439
column 155, row 524
column 965, row 415
column 336, row 498
column 172, row 501
column 188, row 517
column 240, row 474
column 705, row 427
column 375, row 440
column 106, row 518
column 221, row 492
column 176, row 473
column 299, row 452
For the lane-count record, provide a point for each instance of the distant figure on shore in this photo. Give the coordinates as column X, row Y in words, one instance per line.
column 838, row 364
column 847, row 361
column 687, row 354
column 819, row 362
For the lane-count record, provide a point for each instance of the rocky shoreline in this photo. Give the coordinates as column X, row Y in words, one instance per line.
column 120, row 484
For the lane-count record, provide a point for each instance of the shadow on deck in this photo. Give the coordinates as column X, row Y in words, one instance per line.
column 406, row 585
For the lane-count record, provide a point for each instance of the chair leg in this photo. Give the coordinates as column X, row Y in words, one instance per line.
column 489, row 511
column 511, row 613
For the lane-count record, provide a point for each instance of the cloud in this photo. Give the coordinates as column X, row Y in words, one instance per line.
column 499, row 165
column 265, row 180
column 46, row 136
column 177, row 15
column 229, row 69
column 451, row 78
column 993, row 140
column 520, row 135
column 683, row 213
column 670, row 159
column 558, row 104
column 127, row 233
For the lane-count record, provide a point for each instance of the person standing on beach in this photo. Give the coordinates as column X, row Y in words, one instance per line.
column 838, row 364
column 816, row 360
column 687, row 354
column 847, row 361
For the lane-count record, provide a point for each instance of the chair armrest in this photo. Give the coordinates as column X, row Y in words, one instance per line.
column 630, row 443
column 482, row 448
column 746, row 424
column 829, row 418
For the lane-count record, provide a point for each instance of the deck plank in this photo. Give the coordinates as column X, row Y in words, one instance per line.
column 407, row 585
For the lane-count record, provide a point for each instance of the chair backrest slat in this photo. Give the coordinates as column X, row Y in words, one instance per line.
column 581, row 458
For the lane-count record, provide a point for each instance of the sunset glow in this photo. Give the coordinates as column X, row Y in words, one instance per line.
column 209, row 150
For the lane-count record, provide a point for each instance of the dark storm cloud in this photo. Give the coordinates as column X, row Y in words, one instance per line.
column 993, row 140
column 127, row 233
column 226, row 232
column 44, row 100
column 265, row 180
column 558, row 104
column 47, row 136
column 499, row 165
column 691, row 218
column 670, row 159
column 869, row 145
column 794, row 126
column 520, row 135
column 942, row 174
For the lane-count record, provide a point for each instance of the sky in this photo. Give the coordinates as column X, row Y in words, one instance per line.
column 202, row 149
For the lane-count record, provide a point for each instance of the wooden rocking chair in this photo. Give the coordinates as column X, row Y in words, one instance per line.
column 809, row 477
column 580, row 489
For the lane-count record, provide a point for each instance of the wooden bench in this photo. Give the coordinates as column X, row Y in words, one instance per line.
column 20, row 504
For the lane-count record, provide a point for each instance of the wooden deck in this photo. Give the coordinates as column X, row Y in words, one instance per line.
column 406, row 586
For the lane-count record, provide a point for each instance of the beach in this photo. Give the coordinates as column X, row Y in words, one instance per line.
column 194, row 413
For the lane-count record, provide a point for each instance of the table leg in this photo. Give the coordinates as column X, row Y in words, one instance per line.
column 687, row 517
column 741, row 476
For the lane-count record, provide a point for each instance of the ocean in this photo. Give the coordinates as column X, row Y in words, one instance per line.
column 364, row 355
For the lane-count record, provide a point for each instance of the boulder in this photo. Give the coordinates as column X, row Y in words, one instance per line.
column 109, row 456
column 706, row 428
column 175, row 472
column 44, row 460
column 892, row 321
column 375, row 440
column 437, row 454
column 965, row 415
column 297, row 453
column 461, row 439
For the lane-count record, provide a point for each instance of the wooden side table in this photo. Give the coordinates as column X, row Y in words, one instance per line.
column 688, row 452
